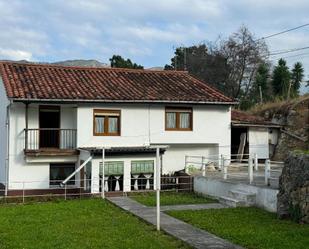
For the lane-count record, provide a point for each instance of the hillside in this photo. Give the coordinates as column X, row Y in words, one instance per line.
column 81, row 63
column 293, row 115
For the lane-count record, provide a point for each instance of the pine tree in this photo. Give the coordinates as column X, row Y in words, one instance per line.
column 260, row 86
column 281, row 79
column 297, row 76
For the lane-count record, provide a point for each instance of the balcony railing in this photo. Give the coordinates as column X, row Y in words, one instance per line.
column 46, row 138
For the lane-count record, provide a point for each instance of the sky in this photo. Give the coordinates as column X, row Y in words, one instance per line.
column 145, row 31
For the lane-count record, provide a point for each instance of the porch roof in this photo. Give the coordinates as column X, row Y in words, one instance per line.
column 124, row 150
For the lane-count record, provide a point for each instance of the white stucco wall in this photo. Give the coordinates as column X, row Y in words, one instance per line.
column 211, row 125
column 140, row 125
column 174, row 157
column 258, row 142
column 266, row 198
column 4, row 102
column 145, row 124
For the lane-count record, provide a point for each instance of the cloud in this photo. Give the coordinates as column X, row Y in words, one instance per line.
column 15, row 54
column 145, row 31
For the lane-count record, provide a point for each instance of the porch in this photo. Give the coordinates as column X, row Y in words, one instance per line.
column 50, row 142
column 50, row 130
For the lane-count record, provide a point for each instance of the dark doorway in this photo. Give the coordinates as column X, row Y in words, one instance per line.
column 49, row 121
column 237, row 134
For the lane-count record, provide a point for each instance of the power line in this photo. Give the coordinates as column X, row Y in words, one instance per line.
column 296, row 55
column 282, row 32
column 287, row 51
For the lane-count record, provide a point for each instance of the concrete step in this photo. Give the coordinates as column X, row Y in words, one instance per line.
column 242, row 195
column 231, row 202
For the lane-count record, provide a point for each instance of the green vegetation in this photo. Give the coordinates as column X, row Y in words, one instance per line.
column 91, row 223
column 171, row 198
column 249, row 227
column 301, row 152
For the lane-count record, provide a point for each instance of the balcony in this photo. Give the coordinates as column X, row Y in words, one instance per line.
column 50, row 142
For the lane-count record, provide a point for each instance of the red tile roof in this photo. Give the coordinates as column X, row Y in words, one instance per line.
column 50, row 82
column 240, row 117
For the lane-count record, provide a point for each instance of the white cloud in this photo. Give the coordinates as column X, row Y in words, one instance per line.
column 143, row 30
column 11, row 54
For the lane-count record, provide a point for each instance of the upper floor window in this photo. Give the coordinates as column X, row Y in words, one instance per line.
column 178, row 119
column 106, row 122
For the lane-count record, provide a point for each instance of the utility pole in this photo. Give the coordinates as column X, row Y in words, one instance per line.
column 184, row 59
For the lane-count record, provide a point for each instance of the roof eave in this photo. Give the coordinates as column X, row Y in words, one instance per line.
column 28, row 100
column 238, row 124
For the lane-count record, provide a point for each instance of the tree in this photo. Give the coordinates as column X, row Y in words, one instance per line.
column 281, row 79
column 297, row 76
column 260, row 90
column 244, row 54
column 201, row 61
column 118, row 61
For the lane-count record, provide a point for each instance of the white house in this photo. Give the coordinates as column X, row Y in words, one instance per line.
column 54, row 118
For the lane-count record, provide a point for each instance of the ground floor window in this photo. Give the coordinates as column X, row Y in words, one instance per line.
column 113, row 175
column 142, row 174
column 59, row 172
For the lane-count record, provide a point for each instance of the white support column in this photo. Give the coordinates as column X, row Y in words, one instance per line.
column 256, row 162
column 203, row 167
column 158, row 186
column 221, row 162
column 95, row 172
column 127, row 175
column 224, row 171
column 103, row 174
column 250, row 170
column 267, row 171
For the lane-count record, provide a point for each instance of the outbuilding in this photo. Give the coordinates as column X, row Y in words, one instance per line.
column 252, row 135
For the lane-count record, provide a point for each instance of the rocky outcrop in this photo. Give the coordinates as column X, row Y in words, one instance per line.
column 293, row 196
column 293, row 115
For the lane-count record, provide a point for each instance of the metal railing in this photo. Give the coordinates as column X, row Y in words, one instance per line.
column 146, row 182
column 25, row 191
column 36, row 139
column 246, row 169
column 273, row 170
column 37, row 191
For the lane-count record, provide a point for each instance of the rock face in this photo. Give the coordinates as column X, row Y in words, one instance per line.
column 293, row 196
column 293, row 115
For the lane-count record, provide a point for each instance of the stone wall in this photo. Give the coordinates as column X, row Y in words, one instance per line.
column 293, row 196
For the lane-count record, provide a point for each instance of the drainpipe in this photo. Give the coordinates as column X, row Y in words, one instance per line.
column 7, row 160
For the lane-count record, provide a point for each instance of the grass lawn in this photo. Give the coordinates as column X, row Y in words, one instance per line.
column 90, row 223
column 249, row 227
column 170, row 198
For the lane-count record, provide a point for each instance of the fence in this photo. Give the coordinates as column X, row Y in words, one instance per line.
column 243, row 168
column 24, row 191
column 33, row 191
column 146, row 182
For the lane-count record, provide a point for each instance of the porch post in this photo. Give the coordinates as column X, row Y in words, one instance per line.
column 26, row 125
column 103, row 175
column 158, row 183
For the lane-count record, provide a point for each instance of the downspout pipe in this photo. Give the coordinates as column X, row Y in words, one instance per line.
column 7, row 160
